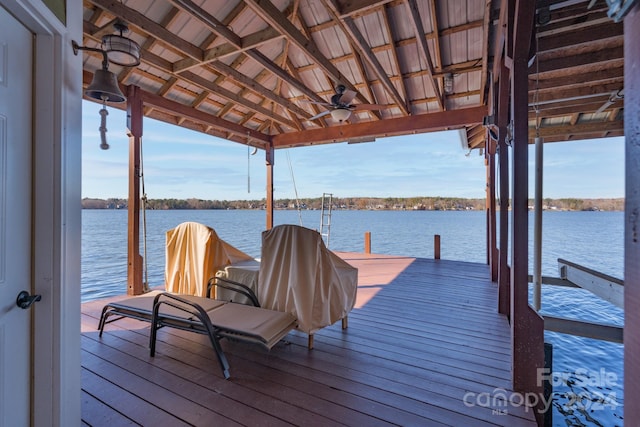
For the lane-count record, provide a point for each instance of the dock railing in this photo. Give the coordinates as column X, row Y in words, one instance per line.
column 608, row 288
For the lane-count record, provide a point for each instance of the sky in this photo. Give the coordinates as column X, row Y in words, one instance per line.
column 181, row 164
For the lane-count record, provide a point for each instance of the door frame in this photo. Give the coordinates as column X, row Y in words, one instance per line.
column 56, row 210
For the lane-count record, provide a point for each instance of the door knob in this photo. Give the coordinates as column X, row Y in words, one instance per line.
column 25, row 300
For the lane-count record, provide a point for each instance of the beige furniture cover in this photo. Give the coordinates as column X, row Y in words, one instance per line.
column 299, row 275
column 193, row 254
column 245, row 272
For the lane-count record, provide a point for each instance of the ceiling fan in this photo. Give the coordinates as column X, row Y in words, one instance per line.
column 340, row 106
column 615, row 97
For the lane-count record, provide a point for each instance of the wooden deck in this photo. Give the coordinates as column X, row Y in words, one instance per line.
column 424, row 346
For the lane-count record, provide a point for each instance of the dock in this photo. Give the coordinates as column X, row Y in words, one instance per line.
column 425, row 345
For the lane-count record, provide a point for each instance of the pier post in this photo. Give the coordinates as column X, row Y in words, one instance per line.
column 632, row 214
column 527, row 327
column 134, row 124
column 367, row 242
column 504, row 281
column 436, row 246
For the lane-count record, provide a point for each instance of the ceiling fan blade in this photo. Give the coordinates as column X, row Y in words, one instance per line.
column 347, row 96
column 317, row 116
column 369, row 106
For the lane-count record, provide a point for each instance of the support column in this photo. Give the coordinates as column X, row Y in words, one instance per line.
column 270, row 161
column 537, row 227
column 632, row 214
column 134, row 124
column 502, row 119
column 527, row 327
column 492, row 250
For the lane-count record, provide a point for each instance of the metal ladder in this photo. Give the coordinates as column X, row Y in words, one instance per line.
column 325, row 217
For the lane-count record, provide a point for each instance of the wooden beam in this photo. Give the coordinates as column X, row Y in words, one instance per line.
column 586, row 35
column 176, row 108
column 134, row 124
column 255, row 86
column 348, row 26
column 272, row 16
column 352, row 7
column 577, row 129
column 421, row 123
column 416, row 23
column 394, row 54
column 608, row 288
column 492, row 246
column 527, row 327
column 632, row 214
column 576, row 93
column 486, row 27
column 223, row 50
column 577, row 80
column 502, row 121
column 581, row 328
column 567, row 63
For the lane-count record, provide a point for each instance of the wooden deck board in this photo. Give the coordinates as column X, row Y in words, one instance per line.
column 423, row 334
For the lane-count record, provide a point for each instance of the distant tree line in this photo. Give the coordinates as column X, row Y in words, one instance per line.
column 356, row 203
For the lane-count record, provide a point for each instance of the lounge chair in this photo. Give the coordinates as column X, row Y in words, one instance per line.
column 217, row 319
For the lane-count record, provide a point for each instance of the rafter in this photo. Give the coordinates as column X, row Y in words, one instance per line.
column 416, row 22
column 349, row 27
column 271, row 15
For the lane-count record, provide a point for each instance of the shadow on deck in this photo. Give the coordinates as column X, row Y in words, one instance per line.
column 425, row 346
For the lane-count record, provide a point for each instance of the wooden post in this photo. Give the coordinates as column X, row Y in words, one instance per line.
column 270, row 161
column 134, row 124
column 632, row 214
column 492, row 249
column 504, row 275
column 436, row 246
column 527, row 327
column 537, row 228
column 367, row 242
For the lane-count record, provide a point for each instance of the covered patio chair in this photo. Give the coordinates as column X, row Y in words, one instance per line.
column 194, row 253
column 301, row 276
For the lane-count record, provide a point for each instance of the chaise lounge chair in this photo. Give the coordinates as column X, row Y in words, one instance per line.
column 217, row 319
column 194, row 253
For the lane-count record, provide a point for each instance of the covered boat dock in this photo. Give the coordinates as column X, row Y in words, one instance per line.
column 274, row 74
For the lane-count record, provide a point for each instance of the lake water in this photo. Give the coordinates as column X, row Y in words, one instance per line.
column 587, row 373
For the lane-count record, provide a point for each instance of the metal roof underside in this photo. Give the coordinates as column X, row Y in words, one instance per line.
column 246, row 70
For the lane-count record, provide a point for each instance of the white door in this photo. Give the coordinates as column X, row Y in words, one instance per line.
column 16, row 51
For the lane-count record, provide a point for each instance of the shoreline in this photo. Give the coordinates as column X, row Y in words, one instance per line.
column 357, row 203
